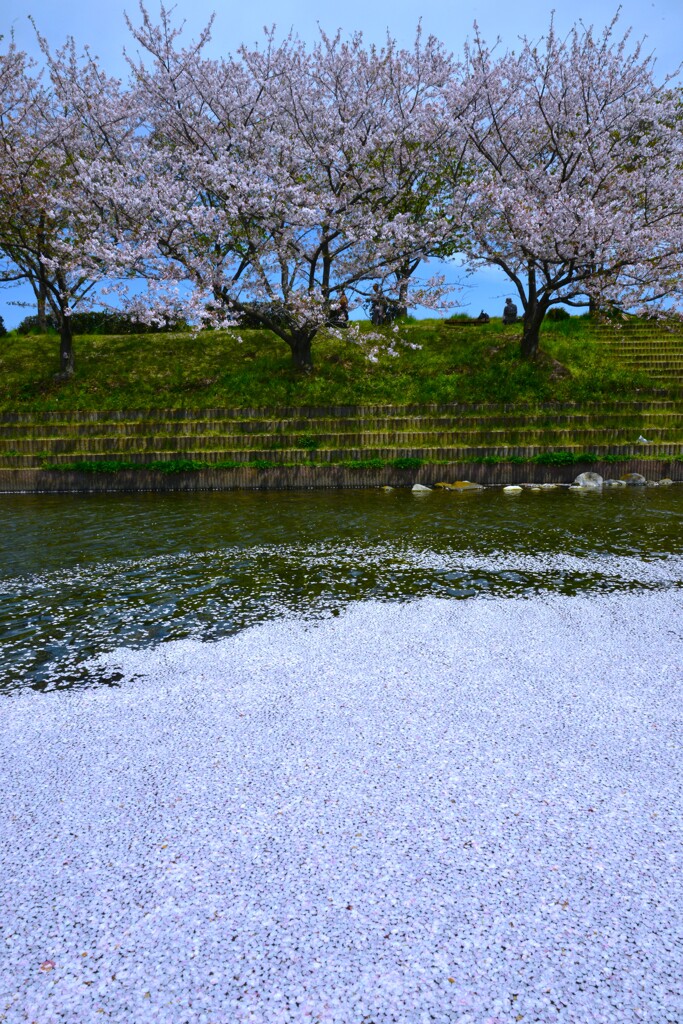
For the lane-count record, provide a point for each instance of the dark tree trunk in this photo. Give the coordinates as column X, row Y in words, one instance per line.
column 534, row 315
column 302, row 356
column 530, row 338
column 404, row 273
column 402, row 308
column 41, row 303
column 40, row 286
column 534, row 312
column 66, row 348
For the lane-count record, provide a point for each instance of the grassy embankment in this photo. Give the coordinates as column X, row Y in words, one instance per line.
column 584, row 395
column 213, row 369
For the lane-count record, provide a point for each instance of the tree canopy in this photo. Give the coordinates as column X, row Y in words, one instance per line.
column 266, row 183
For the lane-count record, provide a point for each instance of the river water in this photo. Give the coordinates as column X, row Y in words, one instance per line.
column 82, row 575
column 342, row 758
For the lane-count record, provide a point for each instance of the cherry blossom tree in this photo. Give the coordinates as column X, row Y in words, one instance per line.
column 18, row 93
column 273, row 180
column 577, row 189
column 55, row 125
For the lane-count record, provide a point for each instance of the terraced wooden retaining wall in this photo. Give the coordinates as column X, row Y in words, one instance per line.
column 303, row 447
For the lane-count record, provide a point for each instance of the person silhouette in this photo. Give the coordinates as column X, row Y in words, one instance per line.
column 510, row 312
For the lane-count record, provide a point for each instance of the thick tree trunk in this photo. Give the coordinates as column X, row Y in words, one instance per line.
column 402, row 309
column 535, row 310
column 42, row 312
column 404, row 273
column 41, row 304
column 302, row 356
column 530, row 338
column 66, row 348
column 533, row 318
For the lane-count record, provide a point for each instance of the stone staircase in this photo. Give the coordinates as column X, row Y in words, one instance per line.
column 656, row 349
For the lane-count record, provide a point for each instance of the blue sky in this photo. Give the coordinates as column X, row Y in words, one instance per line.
column 102, row 26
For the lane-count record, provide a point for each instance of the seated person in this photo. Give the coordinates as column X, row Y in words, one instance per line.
column 510, row 312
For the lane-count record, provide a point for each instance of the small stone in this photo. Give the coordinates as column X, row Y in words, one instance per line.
column 652, row 483
column 512, row 489
column 666, row 482
column 420, row 489
column 443, row 486
column 634, row 479
column 614, row 483
column 387, row 488
column 548, row 487
column 535, row 489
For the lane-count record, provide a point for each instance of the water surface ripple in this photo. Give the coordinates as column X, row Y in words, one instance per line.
column 82, row 575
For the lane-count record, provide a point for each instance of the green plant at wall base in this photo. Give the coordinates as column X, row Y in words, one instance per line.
column 172, row 466
column 176, row 466
column 363, row 463
column 309, row 442
column 562, row 458
column 105, row 466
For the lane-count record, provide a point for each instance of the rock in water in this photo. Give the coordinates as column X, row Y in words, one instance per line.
column 634, row 479
column 589, row 481
column 466, row 485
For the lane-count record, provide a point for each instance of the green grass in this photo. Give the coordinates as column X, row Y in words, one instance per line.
column 215, row 369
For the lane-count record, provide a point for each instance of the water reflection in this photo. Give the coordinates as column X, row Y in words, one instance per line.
column 83, row 574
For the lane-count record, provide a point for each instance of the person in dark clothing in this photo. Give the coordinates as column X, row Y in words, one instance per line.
column 510, row 312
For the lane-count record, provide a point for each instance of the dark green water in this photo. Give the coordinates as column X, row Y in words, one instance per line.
column 80, row 575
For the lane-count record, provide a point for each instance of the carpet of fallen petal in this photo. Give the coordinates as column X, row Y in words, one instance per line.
column 437, row 812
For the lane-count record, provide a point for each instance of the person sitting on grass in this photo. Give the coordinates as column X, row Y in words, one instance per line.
column 339, row 311
column 510, row 312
